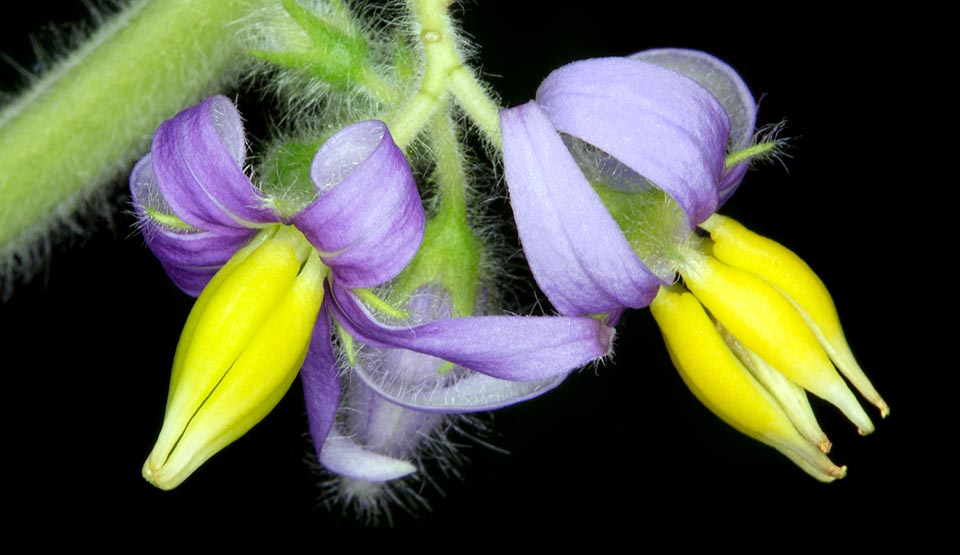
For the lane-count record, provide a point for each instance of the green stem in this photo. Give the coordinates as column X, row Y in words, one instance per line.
column 451, row 252
column 82, row 124
column 445, row 72
column 376, row 86
column 449, row 175
column 477, row 103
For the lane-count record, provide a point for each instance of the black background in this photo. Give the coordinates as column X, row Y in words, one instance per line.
column 618, row 454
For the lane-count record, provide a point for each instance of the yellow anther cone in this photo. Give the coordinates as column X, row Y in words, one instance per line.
column 718, row 379
column 244, row 342
column 737, row 246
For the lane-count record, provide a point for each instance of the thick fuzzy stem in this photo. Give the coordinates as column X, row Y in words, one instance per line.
column 80, row 125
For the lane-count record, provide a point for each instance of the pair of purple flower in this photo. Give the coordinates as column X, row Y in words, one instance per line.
column 610, row 170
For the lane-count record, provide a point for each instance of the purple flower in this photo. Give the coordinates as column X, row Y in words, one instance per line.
column 647, row 126
column 218, row 236
column 615, row 173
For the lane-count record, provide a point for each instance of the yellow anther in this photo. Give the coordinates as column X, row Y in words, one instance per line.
column 718, row 379
column 244, row 342
column 739, row 247
column 767, row 323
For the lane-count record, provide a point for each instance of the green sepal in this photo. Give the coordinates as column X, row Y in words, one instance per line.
column 170, row 221
column 652, row 222
column 335, row 54
column 450, row 256
column 286, row 175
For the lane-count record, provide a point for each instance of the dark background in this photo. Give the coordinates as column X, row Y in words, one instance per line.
column 617, row 454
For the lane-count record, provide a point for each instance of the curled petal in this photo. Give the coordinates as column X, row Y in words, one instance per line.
column 577, row 252
column 336, row 450
column 190, row 256
column 728, row 87
column 662, row 125
column 198, row 160
column 516, row 348
column 428, row 384
column 368, row 220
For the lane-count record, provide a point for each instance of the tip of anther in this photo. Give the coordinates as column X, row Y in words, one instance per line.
column 884, row 408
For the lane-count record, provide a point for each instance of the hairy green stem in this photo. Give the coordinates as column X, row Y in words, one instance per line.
column 445, row 73
column 82, row 124
column 449, row 174
column 451, row 252
column 476, row 102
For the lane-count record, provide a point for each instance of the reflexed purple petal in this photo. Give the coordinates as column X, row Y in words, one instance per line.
column 343, row 456
column 321, row 385
column 577, row 252
column 198, row 160
column 368, row 220
column 516, row 348
column 427, row 383
column 471, row 392
column 728, row 87
column 190, row 258
column 659, row 123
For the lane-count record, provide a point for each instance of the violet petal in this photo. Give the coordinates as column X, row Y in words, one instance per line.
column 321, row 384
column 343, row 456
column 728, row 87
column 515, row 348
column 472, row 392
column 577, row 252
column 190, row 258
column 662, row 125
column 198, row 159
column 368, row 221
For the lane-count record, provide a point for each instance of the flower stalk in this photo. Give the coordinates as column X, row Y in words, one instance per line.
column 444, row 72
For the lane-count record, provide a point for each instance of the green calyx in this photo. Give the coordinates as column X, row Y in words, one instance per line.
column 449, row 256
column 170, row 221
column 285, row 174
column 767, row 145
column 652, row 222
